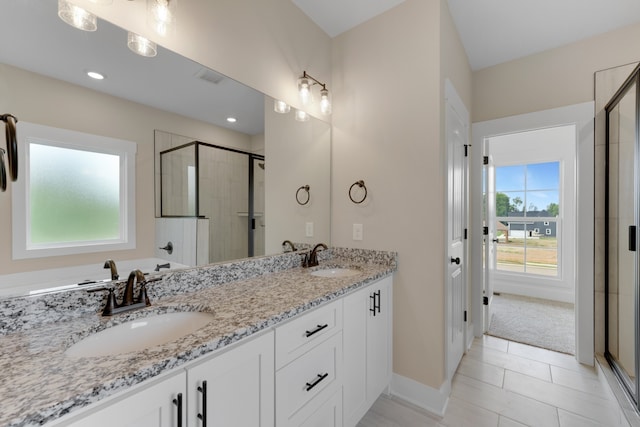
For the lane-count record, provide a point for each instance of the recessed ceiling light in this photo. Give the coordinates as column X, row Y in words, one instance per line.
column 232, row 119
column 95, row 75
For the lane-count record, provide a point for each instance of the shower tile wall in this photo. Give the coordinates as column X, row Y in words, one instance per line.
column 223, row 199
column 607, row 83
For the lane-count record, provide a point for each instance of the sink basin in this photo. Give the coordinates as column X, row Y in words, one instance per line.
column 139, row 334
column 336, row 272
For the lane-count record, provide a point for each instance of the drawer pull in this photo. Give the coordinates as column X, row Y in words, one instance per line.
column 317, row 381
column 203, row 416
column 178, row 402
column 315, row 331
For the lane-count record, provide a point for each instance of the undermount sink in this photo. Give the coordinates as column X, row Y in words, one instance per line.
column 336, row 272
column 140, row 334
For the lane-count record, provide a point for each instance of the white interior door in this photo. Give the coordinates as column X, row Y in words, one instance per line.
column 457, row 134
column 490, row 239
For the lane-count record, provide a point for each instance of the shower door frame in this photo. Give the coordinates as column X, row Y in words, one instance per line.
column 251, row 157
column 623, row 379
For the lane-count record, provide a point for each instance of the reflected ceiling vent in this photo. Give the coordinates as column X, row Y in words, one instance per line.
column 210, row 76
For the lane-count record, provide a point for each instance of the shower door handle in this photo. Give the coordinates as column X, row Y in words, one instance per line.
column 632, row 238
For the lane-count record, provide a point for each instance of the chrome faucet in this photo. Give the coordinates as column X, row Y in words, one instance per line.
column 288, row 242
column 110, row 264
column 312, row 259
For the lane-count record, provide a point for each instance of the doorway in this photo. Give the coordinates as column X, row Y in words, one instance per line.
column 578, row 270
column 529, row 197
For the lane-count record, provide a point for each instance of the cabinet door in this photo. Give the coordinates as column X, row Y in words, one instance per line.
column 378, row 341
column 155, row 406
column 238, row 385
column 367, row 348
column 356, row 311
column 328, row 415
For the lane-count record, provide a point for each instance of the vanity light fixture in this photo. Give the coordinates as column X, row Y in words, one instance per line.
column 281, row 106
column 76, row 16
column 141, row 45
column 301, row 116
column 161, row 14
column 305, row 83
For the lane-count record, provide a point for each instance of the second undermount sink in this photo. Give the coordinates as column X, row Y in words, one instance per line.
column 140, row 334
column 336, row 272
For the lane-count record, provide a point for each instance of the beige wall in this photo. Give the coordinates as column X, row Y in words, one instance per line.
column 42, row 100
column 387, row 119
column 555, row 78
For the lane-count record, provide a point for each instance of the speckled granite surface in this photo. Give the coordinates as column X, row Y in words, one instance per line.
column 40, row 383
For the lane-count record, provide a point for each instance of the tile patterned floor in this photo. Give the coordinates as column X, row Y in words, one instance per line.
column 505, row 384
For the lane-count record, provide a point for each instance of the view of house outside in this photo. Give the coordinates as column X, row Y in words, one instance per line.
column 527, row 210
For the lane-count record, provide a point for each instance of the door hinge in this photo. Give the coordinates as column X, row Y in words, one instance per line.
column 485, row 160
column 485, row 300
column 485, row 231
column 465, row 234
column 465, row 315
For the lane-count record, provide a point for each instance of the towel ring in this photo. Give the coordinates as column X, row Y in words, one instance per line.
column 361, row 185
column 305, row 188
column 3, row 172
column 12, row 144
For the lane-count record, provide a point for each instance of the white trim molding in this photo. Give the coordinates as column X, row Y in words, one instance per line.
column 421, row 395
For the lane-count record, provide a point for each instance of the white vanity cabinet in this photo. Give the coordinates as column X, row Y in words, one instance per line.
column 367, row 348
column 233, row 389
column 161, row 404
column 309, row 369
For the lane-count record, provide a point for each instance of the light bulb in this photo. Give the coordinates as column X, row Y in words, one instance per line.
column 304, row 90
column 141, row 46
column 325, row 102
column 162, row 15
column 301, row 116
column 281, row 106
column 76, row 16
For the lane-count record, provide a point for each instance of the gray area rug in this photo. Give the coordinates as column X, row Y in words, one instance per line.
column 534, row 321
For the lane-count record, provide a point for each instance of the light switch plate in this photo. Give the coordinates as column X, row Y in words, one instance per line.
column 309, row 229
column 357, row 231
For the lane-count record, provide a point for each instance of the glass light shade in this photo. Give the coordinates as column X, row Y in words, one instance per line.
column 141, row 46
column 301, row 116
column 161, row 14
column 76, row 16
column 304, row 90
column 325, row 102
column 281, row 106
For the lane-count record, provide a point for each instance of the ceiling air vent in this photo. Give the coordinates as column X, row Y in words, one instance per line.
column 210, row 76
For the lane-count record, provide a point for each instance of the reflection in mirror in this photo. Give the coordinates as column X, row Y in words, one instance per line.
column 44, row 81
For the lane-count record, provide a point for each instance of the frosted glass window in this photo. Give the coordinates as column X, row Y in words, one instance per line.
column 74, row 195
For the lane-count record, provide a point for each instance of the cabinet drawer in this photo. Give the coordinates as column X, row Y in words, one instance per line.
column 302, row 386
column 301, row 334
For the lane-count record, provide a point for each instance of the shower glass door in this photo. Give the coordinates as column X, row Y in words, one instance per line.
column 622, row 278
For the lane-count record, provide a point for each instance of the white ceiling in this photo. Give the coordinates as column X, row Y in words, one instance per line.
column 495, row 31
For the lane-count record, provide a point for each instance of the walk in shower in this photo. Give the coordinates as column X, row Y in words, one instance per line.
column 622, row 210
column 222, row 184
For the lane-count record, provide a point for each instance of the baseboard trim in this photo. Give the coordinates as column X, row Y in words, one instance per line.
column 420, row 395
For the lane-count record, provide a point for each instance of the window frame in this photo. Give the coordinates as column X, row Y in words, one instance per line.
column 46, row 135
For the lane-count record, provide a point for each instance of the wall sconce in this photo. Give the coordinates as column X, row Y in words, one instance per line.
column 301, row 116
column 161, row 14
column 305, row 83
column 141, row 46
column 76, row 16
column 281, row 106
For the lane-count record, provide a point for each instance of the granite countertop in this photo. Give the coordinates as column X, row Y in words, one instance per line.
column 41, row 383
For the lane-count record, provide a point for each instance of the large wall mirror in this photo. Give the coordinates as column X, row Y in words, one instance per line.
column 161, row 103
